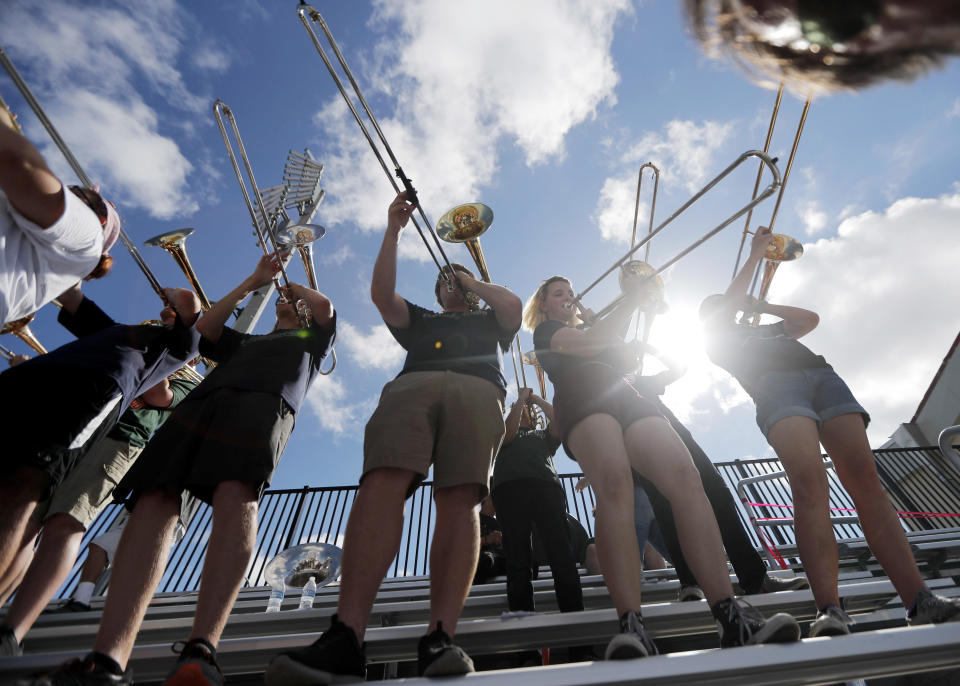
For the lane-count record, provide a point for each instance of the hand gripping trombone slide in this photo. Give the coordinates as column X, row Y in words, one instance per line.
column 767, row 192
column 308, row 16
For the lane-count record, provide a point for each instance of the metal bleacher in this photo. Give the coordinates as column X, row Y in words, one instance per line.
column 882, row 649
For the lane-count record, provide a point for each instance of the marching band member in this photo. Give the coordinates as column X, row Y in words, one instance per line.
column 446, row 409
column 49, row 238
column 84, row 494
column 610, row 429
column 96, row 379
column 222, row 443
column 801, row 404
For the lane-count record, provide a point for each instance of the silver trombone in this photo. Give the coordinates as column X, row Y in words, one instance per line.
column 767, row 192
column 308, row 14
column 650, row 312
column 72, row 161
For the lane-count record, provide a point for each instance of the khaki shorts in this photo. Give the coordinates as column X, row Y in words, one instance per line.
column 88, row 488
column 452, row 421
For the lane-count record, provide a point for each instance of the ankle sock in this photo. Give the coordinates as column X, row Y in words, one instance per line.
column 83, row 592
column 106, row 662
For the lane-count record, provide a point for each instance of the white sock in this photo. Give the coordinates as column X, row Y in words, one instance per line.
column 83, row 592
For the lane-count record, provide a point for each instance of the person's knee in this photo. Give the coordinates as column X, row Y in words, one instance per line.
column 452, row 498
column 24, row 485
column 809, row 488
column 386, row 481
column 62, row 525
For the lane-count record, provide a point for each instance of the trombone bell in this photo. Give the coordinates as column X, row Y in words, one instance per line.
column 293, row 567
column 783, row 248
column 634, row 280
column 302, row 237
column 19, row 328
column 464, row 224
column 175, row 243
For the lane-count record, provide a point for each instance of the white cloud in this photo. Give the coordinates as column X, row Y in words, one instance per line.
column 374, row 350
column 955, row 110
column 211, row 59
column 814, row 219
column 327, row 399
column 447, row 93
column 83, row 63
column 339, row 256
column 614, row 211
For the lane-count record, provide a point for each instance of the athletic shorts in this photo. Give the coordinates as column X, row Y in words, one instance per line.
column 228, row 435
column 452, row 421
column 816, row 393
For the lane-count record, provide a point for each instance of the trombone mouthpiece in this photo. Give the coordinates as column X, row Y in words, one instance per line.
column 568, row 306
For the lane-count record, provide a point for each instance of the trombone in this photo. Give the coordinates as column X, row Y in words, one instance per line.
column 72, row 161
column 637, row 268
column 20, row 328
column 765, row 159
column 783, row 248
column 308, row 14
column 175, row 243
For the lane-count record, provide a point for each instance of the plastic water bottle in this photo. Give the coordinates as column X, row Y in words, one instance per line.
column 276, row 598
column 308, row 594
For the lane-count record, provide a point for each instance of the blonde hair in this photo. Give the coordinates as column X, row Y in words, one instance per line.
column 532, row 315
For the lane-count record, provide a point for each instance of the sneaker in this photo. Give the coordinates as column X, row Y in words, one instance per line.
column 9, row 645
column 438, row 656
column 740, row 624
column 334, row 658
column 775, row 584
column 928, row 608
column 830, row 621
column 197, row 665
column 73, row 606
column 690, row 594
column 633, row 640
column 85, row 672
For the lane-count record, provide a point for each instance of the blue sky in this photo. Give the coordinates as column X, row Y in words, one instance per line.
column 543, row 110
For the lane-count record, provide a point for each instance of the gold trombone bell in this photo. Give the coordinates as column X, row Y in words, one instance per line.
column 464, row 224
column 175, row 243
column 20, row 329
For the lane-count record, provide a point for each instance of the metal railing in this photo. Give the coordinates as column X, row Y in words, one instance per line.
column 918, row 480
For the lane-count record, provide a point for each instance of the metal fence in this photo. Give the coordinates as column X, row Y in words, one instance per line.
column 918, row 481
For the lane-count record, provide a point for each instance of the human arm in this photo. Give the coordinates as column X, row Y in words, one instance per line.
column 319, row 304
column 604, row 333
column 16, row 359
column 25, row 178
column 383, row 284
column 79, row 315
column 512, row 420
column 674, row 368
column 507, row 307
column 211, row 324
column 160, row 395
column 797, row 321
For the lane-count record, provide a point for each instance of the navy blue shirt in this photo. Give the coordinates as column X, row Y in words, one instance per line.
column 462, row 342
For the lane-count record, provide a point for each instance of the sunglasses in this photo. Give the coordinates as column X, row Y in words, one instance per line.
column 93, row 201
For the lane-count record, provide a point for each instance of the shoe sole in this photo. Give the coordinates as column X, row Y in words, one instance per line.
column 832, row 630
column 284, row 671
column 191, row 675
column 781, row 628
column 622, row 647
column 450, row 663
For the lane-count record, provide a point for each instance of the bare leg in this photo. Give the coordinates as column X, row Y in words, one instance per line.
column 453, row 555
column 846, row 442
column 18, row 568
column 140, row 560
column 593, row 559
column 597, row 441
column 371, row 542
column 658, row 454
column 52, row 562
column 94, row 565
column 798, row 445
column 231, row 543
column 652, row 559
column 19, row 493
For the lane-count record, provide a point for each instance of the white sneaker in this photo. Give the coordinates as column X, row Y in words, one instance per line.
column 831, row 621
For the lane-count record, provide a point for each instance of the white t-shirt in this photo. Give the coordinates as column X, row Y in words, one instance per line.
column 37, row 265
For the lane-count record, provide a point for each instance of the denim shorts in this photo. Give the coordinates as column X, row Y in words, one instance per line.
column 816, row 393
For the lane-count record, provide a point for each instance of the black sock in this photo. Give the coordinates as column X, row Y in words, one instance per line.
column 720, row 610
column 106, row 662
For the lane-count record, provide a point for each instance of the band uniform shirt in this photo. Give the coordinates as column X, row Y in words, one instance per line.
column 283, row 362
column 614, row 362
column 749, row 352
column 528, row 456
column 37, row 265
column 135, row 426
column 461, row 342
column 136, row 357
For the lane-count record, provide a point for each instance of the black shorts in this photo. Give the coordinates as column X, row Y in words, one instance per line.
column 597, row 389
column 228, row 435
column 46, row 410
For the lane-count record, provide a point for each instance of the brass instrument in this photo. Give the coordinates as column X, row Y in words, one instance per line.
column 6, row 353
column 465, row 224
column 20, row 329
column 174, row 242
column 72, row 161
column 293, row 567
column 765, row 159
column 308, row 17
column 652, row 301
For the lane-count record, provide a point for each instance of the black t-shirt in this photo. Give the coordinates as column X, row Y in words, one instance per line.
column 284, row 362
column 488, row 525
column 749, row 352
column 136, row 357
column 462, row 342
column 616, row 360
column 528, row 456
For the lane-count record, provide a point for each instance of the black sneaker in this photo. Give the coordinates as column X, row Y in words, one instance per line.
column 438, row 656
column 9, row 645
column 334, row 658
column 633, row 640
column 740, row 624
column 197, row 665
column 85, row 672
column 928, row 608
